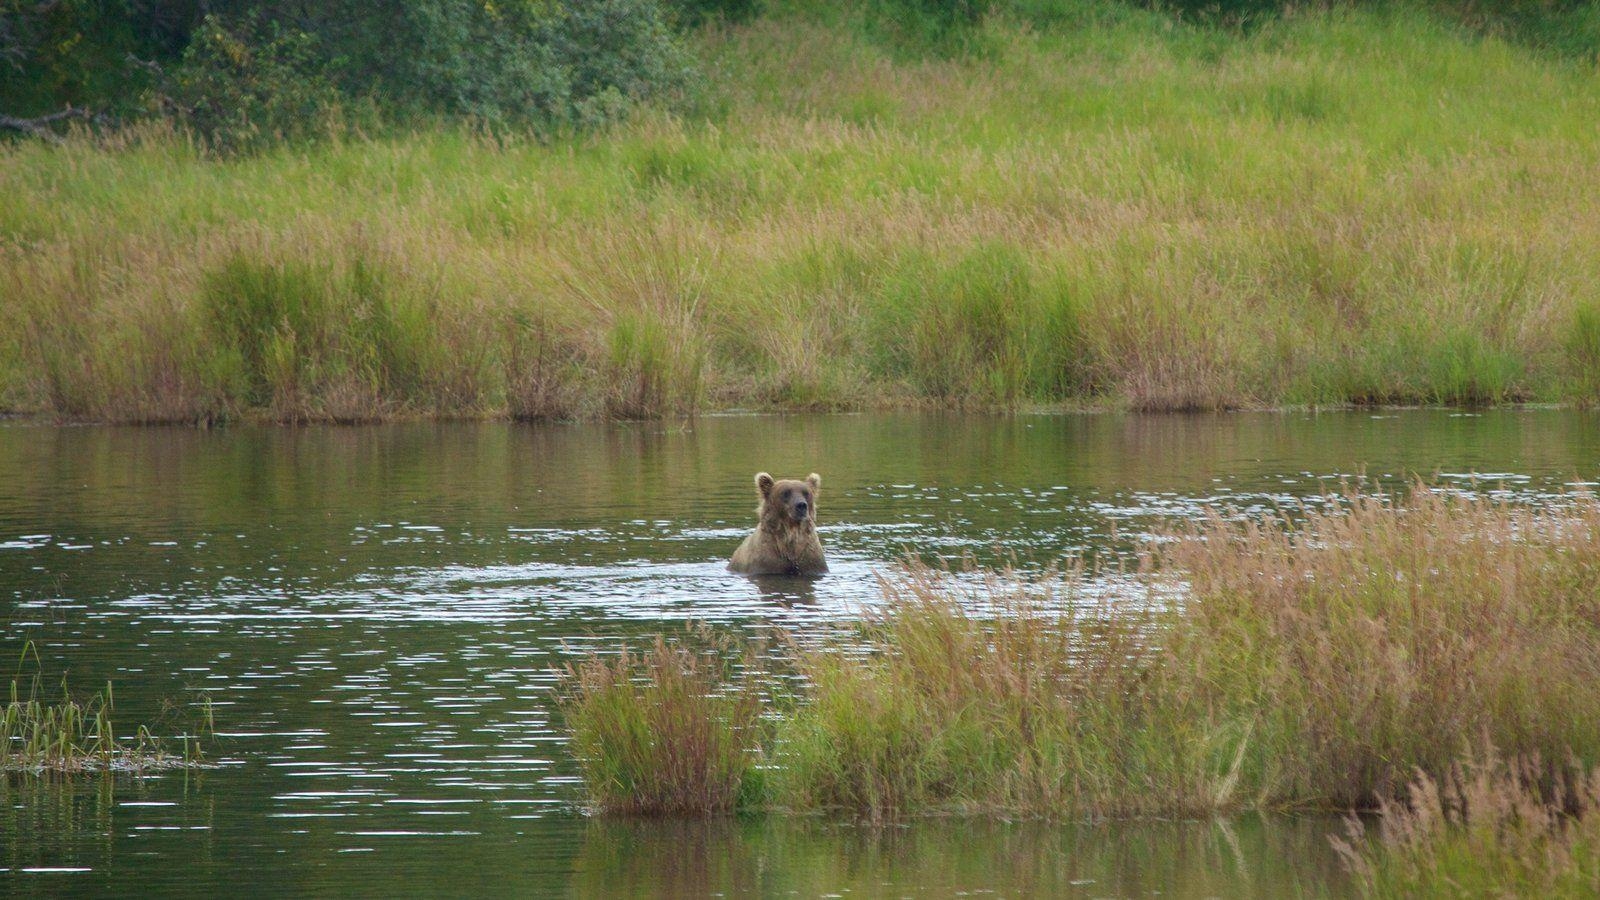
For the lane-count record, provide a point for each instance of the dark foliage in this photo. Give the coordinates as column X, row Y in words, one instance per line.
column 237, row 69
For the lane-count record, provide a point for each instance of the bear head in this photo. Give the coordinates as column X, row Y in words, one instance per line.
column 790, row 502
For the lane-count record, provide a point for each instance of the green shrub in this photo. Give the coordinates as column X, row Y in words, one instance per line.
column 241, row 70
column 85, row 53
column 251, row 84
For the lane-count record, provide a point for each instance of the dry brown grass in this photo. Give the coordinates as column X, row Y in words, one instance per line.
column 1487, row 826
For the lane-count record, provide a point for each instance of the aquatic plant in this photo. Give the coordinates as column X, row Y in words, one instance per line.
column 676, row 741
column 71, row 736
column 1313, row 658
column 74, row 735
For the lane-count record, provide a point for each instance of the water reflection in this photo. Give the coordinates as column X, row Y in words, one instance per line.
column 786, row 590
column 773, row 857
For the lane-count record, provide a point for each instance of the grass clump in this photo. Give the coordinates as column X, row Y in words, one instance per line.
column 1583, row 352
column 307, row 341
column 1488, row 826
column 71, row 736
column 1363, row 642
column 666, row 731
column 1035, row 706
column 1317, row 659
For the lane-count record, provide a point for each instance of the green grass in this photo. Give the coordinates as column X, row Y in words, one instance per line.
column 1082, row 203
column 71, row 736
column 1314, row 661
column 678, row 743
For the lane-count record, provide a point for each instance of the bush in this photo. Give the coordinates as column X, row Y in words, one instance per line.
column 242, row 86
column 516, row 63
column 238, row 70
column 85, row 53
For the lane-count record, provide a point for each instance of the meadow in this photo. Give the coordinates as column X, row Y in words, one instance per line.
column 1083, row 204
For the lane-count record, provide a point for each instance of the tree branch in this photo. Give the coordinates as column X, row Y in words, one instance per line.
column 39, row 126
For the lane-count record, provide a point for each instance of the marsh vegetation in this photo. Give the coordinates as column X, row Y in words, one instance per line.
column 1082, row 203
column 1342, row 656
column 73, row 735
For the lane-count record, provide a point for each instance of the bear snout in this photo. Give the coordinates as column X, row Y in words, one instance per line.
column 800, row 510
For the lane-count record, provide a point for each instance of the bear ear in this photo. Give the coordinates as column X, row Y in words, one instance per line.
column 763, row 483
column 815, row 481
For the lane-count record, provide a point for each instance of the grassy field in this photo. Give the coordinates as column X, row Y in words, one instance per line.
column 1316, row 663
column 1083, row 204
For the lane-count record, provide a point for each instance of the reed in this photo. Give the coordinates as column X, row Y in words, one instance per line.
column 73, row 736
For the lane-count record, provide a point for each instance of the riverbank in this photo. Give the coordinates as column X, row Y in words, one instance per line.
column 1105, row 208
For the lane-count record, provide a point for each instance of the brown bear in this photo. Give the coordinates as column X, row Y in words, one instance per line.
column 785, row 540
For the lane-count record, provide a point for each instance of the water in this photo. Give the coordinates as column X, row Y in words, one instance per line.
column 376, row 614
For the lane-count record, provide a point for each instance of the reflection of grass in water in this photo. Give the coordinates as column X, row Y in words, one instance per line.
column 71, row 736
column 1316, row 662
column 777, row 856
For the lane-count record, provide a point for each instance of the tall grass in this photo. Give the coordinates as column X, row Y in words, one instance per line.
column 1090, row 206
column 1488, row 826
column 1378, row 638
column 1032, row 707
column 679, row 743
column 1317, row 659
